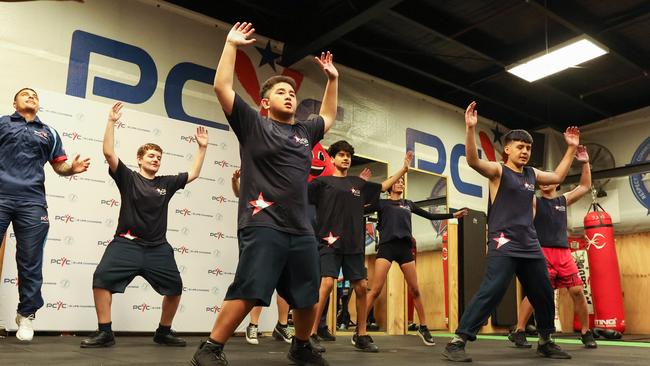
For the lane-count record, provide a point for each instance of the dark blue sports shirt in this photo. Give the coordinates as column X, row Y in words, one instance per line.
column 550, row 222
column 25, row 147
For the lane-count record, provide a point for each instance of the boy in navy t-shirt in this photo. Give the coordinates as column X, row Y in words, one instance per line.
column 276, row 240
column 513, row 247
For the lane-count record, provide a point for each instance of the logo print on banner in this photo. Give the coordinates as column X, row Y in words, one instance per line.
column 110, row 202
column 183, row 211
column 11, row 281
column 640, row 183
column 65, row 218
column 219, row 272
column 59, row 305
column 63, row 261
column 213, row 309
column 145, row 307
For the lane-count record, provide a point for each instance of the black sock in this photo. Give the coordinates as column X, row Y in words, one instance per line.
column 164, row 329
column 252, row 325
column 423, row 326
column 212, row 341
column 105, row 327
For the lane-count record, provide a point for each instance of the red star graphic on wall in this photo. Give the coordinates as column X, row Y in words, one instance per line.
column 330, row 239
column 260, row 204
column 501, row 240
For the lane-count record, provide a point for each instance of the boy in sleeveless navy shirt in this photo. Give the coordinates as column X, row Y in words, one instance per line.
column 551, row 226
column 276, row 241
column 513, row 247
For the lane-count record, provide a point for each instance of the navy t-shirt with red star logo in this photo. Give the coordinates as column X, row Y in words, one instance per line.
column 550, row 222
column 340, row 205
column 275, row 163
column 143, row 210
column 511, row 232
column 25, row 147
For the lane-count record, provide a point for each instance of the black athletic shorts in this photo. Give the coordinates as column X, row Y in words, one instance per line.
column 399, row 250
column 124, row 259
column 271, row 260
column 353, row 265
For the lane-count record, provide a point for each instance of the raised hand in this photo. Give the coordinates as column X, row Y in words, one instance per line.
column 572, row 136
column 326, row 64
column 365, row 174
column 408, row 158
column 471, row 115
column 240, row 33
column 581, row 154
column 115, row 113
column 460, row 213
column 201, row 136
column 78, row 165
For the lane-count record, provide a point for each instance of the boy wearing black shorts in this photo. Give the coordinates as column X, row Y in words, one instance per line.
column 140, row 244
column 276, row 241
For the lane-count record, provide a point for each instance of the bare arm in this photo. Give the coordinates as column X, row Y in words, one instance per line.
column 108, row 147
column 572, row 138
column 202, row 140
column 585, row 178
column 330, row 97
column 223, row 78
column 235, row 182
column 488, row 169
column 385, row 185
column 77, row 166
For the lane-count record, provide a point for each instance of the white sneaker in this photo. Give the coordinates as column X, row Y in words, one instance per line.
column 251, row 334
column 25, row 330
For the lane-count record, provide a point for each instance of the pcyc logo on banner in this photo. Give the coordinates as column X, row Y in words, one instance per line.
column 145, row 307
column 11, row 281
column 183, row 211
column 63, row 261
column 213, row 309
column 190, row 139
column 182, row 250
column 59, row 305
column 222, row 163
column 110, row 202
column 71, row 135
column 219, row 235
column 104, row 243
column 219, row 272
column 65, row 218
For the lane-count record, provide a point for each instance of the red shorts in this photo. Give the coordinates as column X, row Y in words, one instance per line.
column 562, row 269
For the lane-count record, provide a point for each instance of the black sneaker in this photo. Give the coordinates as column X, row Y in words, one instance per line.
column 305, row 355
column 209, row 354
column 427, row 338
column 519, row 339
column 169, row 339
column 455, row 352
column 98, row 339
column 588, row 340
column 552, row 350
column 314, row 342
column 325, row 335
column 364, row 343
column 282, row 333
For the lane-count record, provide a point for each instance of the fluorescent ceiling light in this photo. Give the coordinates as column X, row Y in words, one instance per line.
column 561, row 57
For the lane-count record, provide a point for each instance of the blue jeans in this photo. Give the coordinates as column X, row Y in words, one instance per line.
column 532, row 274
column 31, row 224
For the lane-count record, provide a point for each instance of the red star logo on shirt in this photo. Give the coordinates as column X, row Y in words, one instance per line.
column 128, row 235
column 330, row 239
column 501, row 240
column 260, row 204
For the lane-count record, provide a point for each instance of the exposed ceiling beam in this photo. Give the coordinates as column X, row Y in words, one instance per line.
column 430, row 30
column 627, row 18
column 576, row 19
column 623, row 171
column 438, row 79
column 295, row 52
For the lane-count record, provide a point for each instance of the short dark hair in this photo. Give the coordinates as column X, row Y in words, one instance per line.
column 341, row 145
column 16, row 95
column 518, row 135
column 270, row 82
column 148, row 146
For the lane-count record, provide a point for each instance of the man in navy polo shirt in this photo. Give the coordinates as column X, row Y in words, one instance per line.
column 26, row 144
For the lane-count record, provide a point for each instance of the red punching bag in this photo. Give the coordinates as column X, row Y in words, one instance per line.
column 605, row 275
column 578, row 246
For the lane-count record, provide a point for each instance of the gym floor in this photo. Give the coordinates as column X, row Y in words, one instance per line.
column 395, row 350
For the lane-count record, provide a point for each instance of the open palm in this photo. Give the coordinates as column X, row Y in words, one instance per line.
column 240, row 33
column 326, row 64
